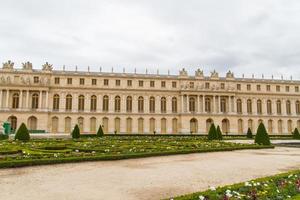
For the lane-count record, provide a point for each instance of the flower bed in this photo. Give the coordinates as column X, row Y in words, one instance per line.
column 278, row 187
column 51, row 151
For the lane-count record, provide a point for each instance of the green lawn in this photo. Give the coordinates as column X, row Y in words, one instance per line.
column 278, row 187
column 50, row 151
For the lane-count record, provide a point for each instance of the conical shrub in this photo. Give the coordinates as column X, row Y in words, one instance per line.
column 76, row 132
column 219, row 133
column 249, row 133
column 212, row 133
column 22, row 133
column 100, row 132
column 296, row 134
column 262, row 137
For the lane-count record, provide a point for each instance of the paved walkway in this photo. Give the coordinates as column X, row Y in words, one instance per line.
column 147, row 178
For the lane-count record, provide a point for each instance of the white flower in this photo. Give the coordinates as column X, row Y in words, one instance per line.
column 288, row 196
column 77, row 150
column 228, row 195
column 228, row 191
column 212, row 188
column 201, row 197
column 247, row 184
column 277, row 191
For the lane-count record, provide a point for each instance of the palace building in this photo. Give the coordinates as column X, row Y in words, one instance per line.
column 55, row 100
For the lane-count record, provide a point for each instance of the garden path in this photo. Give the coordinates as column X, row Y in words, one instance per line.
column 145, row 178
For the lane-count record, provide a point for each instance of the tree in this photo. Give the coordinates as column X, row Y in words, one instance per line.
column 100, row 132
column 76, row 132
column 249, row 133
column 212, row 133
column 296, row 134
column 22, row 133
column 262, row 137
column 219, row 133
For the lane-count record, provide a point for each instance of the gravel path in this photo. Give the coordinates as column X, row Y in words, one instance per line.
column 146, row 178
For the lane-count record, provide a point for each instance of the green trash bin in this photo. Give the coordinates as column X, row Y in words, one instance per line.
column 7, row 128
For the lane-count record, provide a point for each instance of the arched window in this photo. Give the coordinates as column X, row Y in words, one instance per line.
column 223, row 105
column 270, row 126
column 278, row 107
column 209, row 122
column 225, row 126
column 269, row 107
column 35, row 101
column 192, row 104
column 69, row 102
column 129, row 104
column 32, row 123
column 163, row 125
column 117, row 104
column 56, row 102
column 93, row 124
column 81, row 103
column 140, row 104
column 152, row 125
column 163, row 105
column 152, row 104
column 288, row 107
column 290, row 126
column 174, row 125
column 297, row 107
column 105, row 103
column 240, row 126
column 280, row 127
column 249, row 106
column 239, row 106
column 54, row 125
column 93, row 103
column 13, row 122
column 117, row 125
column 129, row 125
column 259, row 107
column 68, row 125
column 140, row 125
column 105, row 124
column 174, row 105
column 250, row 124
column 207, row 105
column 15, row 100
column 80, row 122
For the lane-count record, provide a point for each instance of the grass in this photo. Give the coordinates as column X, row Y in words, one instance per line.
column 277, row 187
column 52, row 151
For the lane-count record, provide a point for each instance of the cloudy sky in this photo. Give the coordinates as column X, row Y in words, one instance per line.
column 257, row 36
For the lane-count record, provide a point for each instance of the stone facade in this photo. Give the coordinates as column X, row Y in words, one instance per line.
column 55, row 101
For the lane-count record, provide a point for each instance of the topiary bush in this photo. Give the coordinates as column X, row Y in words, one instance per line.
column 219, row 133
column 212, row 133
column 22, row 133
column 296, row 134
column 262, row 137
column 100, row 132
column 76, row 132
column 249, row 133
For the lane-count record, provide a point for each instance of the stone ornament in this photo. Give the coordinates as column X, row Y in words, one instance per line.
column 229, row 74
column 183, row 72
column 8, row 65
column 199, row 73
column 214, row 74
column 47, row 67
column 27, row 65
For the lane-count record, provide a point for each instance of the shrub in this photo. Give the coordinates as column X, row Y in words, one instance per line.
column 212, row 133
column 22, row 133
column 262, row 137
column 76, row 132
column 249, row 133
column 3, row 136
column 219, row 133
column 100, row 132
column 296, row 134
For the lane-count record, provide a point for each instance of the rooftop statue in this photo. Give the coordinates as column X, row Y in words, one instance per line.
column 229, row 74
column 183, row 72
column 27, row 65
column 47, row 67
column 214, row 74
column 8, row 65
column 199, row 73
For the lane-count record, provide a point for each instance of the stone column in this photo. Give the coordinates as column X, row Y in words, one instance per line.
column 99, row 103
column 274, row 107
column 283, row 111
column 146, row 104
column 244, row 106
column 213, row 104
column 40, row 99
column 47, row 101
column 234, row 104
column 219, row 104
column 123, row 104
column 1, row 98
column 254, row 106
column 158, row 104
column 87, row 106
column 21, row 100
column 111, row 103
column 27, row 100
column 62, row 101
column 203, row 104
column 75, row 102
column 169, row 104
column 7, row 99
column 293, row 108
column 229, row 104
column 181, row 103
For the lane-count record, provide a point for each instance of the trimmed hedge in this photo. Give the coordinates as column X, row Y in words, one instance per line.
column 296, row 134
column 212, row 133
column 76, row 132
column 249, row 134
column 262, row 137
column 219, row 133
column 33, row 162
column 3, row 136
column 100, row 132
column 22, row 133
